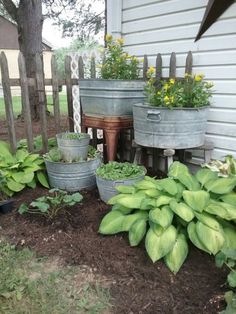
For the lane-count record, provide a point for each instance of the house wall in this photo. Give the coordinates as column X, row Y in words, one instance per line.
column 162, row 26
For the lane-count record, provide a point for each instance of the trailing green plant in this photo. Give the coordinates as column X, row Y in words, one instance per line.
column 21, row 170
column 116, row 170
column 227, row 257
column 55, row 155
column 73, row 136
column 223, row 168
column 51, row 205
column 172, row 211
column 118, row 64
column 38, row 143
column 190, row 92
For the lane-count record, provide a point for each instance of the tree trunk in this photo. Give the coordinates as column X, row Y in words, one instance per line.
column 30, row 22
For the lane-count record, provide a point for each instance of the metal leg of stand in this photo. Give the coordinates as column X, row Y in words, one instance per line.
column 169, row 153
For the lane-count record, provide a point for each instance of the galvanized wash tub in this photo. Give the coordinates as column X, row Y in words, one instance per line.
column 74, row 148
column 110, row 97
column 107, row 188
column 72, row 176
column 169, row 128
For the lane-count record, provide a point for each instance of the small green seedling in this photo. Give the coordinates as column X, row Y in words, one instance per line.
column 52, row 204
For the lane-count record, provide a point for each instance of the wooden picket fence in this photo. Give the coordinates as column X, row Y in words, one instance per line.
column 24, row 82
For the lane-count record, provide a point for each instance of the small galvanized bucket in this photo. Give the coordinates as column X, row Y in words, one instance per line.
column 73, row 176
column 176, row 128
column 73, row 148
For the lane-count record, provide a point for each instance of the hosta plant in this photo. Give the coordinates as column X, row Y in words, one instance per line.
column 223, row 168
column 172, row 211
column 21, row 170
column 51, row 205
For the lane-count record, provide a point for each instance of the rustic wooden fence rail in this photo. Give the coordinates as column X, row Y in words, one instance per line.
column 40, row 83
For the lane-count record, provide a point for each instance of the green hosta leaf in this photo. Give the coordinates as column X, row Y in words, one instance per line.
column 205, row 175
column 158, row 247
column 197, row 200
column 130, row 219
column 211, row 239
column 42, row 179
column 163, row 200
column 209, row 220
column 145, row 185
column 112, row 223
column 152, row 192
column 163, row 216
column 229, row 198
column 194, row 237
column 114, row 200
column 176, row 169
column 169, row 185
column 180, row 189
column 231, row 278
column 137, row 232
column 32, row 168
column 216, row 208
column 189, row 181
column 150, row 179
column 157, row 229
column 220, row 259
column 230, row 238
column 221, row 185
column 182, row 210
column 21, row 154
column 147, row 203
column 123, row 209
column 130, row 201
column 22, row 177
column 176, row 257
column 125, row 189
column 5, row 151
column 15, row 186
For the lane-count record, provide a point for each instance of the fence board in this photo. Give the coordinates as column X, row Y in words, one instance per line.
column 158, row 68
column 81, row 68
column 145, row 66
column 55, row 93
column 93, row 67
column 172, row 72
column 25, row 102
column 68, row 82
column 189, row 63
column 42, row 100
column 8, row 101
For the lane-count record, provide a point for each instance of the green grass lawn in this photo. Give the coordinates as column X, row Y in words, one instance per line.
column 17, row 105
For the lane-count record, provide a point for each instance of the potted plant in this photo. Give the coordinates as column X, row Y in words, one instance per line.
column 75, row 175
column 112, row 176
column 119, row 86
column 73, row 145
column 6, row 203
column 175, row 115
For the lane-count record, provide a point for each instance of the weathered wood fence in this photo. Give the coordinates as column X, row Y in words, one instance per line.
column 40, row 83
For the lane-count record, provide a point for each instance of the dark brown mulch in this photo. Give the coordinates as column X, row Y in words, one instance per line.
column 138, row 286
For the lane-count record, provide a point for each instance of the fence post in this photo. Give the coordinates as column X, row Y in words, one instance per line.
column 172, row 73
column 55, row 93
column 69, row 92
column 25, row 102
column 42, row 100
column 189, row 63
column 145, row 66
column 8, row 101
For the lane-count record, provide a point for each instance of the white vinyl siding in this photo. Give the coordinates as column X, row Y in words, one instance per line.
column 165, row 26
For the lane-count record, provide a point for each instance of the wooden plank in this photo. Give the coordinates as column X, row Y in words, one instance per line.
column 42, row 100
column 55, row 93
column 25, row 102
column 93, row 67
column 47, row 82
column 145, row 66
column 189, row 63
column 8, row 101
column 81, row 68
column 172, row 72
column 69, row 92
column 158, row 67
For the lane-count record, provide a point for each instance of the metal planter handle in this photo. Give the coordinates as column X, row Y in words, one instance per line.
column 153, row 115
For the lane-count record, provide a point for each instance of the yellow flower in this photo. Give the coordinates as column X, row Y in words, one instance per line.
column 151, row 70
column 172, row 99
column 209, row 85
column 120, row 41
column 108, row 37
column 198, row 77
column 166, row 99
column 172, row 81
column 159, row 93
column 166, row 86
column 187, row 75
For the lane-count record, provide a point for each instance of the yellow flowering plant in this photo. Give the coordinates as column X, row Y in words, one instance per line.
column 118, row 64
column 190, row 92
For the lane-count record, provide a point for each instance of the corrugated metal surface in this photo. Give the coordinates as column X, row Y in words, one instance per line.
column 162, row 26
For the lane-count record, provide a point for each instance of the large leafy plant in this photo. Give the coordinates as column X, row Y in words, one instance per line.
column 189, row 92
column 172, row 211
column 20, row 170
column 224, row 168
column 120, row 170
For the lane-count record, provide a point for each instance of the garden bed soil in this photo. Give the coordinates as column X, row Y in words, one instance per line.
column 137, row 285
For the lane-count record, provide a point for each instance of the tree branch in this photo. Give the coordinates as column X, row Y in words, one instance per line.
column 10, row 7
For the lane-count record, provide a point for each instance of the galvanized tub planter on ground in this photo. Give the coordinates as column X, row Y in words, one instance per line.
column 107, row 189
column 73, row 148
column 73, row 176
column 177, row 128
column 110, row 97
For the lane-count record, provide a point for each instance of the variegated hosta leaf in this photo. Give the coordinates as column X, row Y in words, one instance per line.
column 176, row 257
column 189, row 181
column 168, row 185
column 163, row 200
column 127, row 200
column 222, row 210
column 182, row 210
column 221, row 185
column 112, row 223
column 194, row 237
column 157, row 229
column 145, row 185
column 137, row 232
column 125, row 189
column 230, row 238
column 209, row 220
column 124, row 210
column 197, row 200
column 213, row 240
column 158, row 246
column 130, row 219
column 163, row 216
column 205, row 175
column 177, row 168
column 229, row 198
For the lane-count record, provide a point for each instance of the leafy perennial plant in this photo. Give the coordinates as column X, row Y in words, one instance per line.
column 172, row 210
column 190, row 92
